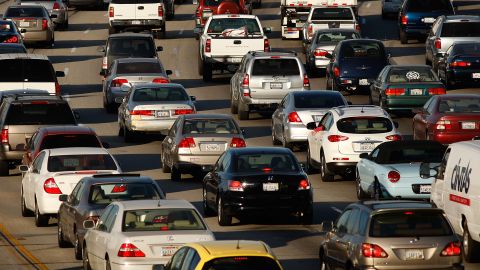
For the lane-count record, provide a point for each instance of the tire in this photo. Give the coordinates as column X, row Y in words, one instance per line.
column 111, row 30
column 384, row 15
column 223, row 218
column 65, row 26
column 165, row 168
column 77, row 248
column 207, row 72
column 60, row 237
column 427, row 62
column 233, row 106
column 25, row 211
column 120, row 131
column 175, row 174
column 325, row 174
column 200, row 66
column 361, row 195
column 469, row 246
column 306, row 217
column 4, row 169
column 107, row 265
column 109, row 108
column 309, row 169
column 377, row 190
column 403, row 37
column 207, row 211
column 40, row 220
column 242, row 114
column 85, row 259
column 128, row 136
column 275, row 141
column 322, row 261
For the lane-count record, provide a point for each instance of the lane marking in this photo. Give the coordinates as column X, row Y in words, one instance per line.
column 336, row 209
column 175, row 50
column 73, row 49
column 66, row 71
column 86, row 31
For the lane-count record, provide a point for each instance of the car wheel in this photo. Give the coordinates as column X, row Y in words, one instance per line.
column 207, row 211
column 207, row 72
column 61, row 240
column 243, row 114
column 175, row 174
column 165, row 167
column 469, row 246
column 275, row 141
column 377, row 190
column 403, row 37
column 120, row 131
column 128, row 136
column 322, row 261
column 40, row 220
column 25, row 211
column 4, row 170
column 109, row 107
column 325, row 174
column 85, row 259
column 77, row 247
column 107, row 265
column 360, row 193
column 384, row 15
column 65, row 26
column 309, row 168
column 223, row 218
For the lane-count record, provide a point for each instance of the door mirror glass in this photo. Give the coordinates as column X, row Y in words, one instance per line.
column 364, row 155
column 23, row 168
column 169, row 72
column 426, row 171
column 59, row 74
column 326, row 226
column 63, row 197
column 311, row 125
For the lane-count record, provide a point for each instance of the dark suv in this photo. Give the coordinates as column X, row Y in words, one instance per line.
column 21, row 116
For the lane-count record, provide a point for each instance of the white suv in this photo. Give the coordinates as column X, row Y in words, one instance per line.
column 334, row 145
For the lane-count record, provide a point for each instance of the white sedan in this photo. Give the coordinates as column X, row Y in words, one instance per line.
column 57, row 171
column 142, row 233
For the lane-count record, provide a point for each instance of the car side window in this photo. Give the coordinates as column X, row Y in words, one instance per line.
column 177, row 259
column 352, row 223
column 435, row 26
column 173, row 129
column 328, row 122
column 324, row 120
column 37, row 163
column 103, row 218
column 431, row 106
column 31, row 142
column 78, row 196
column 74, row 192
column 374, row 154
column 443, row 165
column 341, row 224
column 226, row 162
column 191, row 260
column 363, row 222
column 219, row 164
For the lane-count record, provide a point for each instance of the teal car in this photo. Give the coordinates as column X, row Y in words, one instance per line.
column 405, row 87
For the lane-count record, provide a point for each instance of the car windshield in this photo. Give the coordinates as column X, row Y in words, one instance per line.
column 40, row 114
column 6, row 27
column 234, row 27
column 139, row 67
column 11, row 49
column 175, row 219
column 160, row 94
column 461, row 29
column 104, row 194
column 466, row 49
column 214, row 3
column 409, row 223
column 408, row 154
column 335, row 37
column 81, row 163
column 429, row 6
column 242, row 263
column 362, row 50
column 70, row 140
column 132, row 47
column 310, row 101
column 459, row 105
column 275, row 67
column 364, row 125
column 26, row 70
column 209, row 126
column 265, row 163
column 16, row 12
column 411, row 74
column 332, row 14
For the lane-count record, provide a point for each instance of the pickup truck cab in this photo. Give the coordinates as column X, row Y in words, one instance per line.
column 207, row 8
column 327, row 18
column 226, row 39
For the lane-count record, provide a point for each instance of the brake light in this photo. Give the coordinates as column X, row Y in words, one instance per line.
column 187, row 142
column 118, row 82
column 208, row 45
column 460, row 64
column 44, row 24
column 373, row 251
column 393, row 176
column 56, row 6
column 4, row 135
column 337, row 138
column 310, row 30
column 395, row 91
column 245, row 81
column 183, row 111
column 294, row 118
column 437, row 91
column 234, row 185
column 51, row 187
column 443, row 125
column 237, row 142
column 395, row 137
column 266, row 45
column 93, row 218
column 303, row 185
column 306, row 81
column 438, row 43
column 119, row 188
column 404, row 19
column 160, row 80
column 452, row 249
column 160, row 11
column 111, row 12
column 129, row 250
column 142, row 112
column 12, row 39
column 57, row 89
column 336, row 71
column 320, row 52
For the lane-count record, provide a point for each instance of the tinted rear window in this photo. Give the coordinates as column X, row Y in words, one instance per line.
column 362, row 49
column 132, row 47
column 364, row 125
column 215, row 3
column 411, row 74
column 275, row 67
column 139, row 67
column 414, row 153
column 429, row 6
column 409, row 223
column 241, row 263
column 40, row 114
column 466, row 49
column 335, row 37
column 332, row 14
column 460, row 105
column 318, row 101
column 80, row 163
column 160, row 94
column 6, row 27
column 209, row 126
column 70, row 140
column 104, row 194
column 175, row 219
column 266, row 162
column 11, row 49
column 461, row 29
column 25, row 12
column 26, row 70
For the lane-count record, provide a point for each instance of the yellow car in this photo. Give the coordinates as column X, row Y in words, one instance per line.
column 228, row 254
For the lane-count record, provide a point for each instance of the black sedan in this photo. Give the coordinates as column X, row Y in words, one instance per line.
column 460, row 64
column 257, row 180
column 355, row 64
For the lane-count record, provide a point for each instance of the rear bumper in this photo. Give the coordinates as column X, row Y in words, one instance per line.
column 463, row 76
column 196, row 162
column 407, row 191
column 416, row 31
column 158, row 125
column 341, row 167
column 61, row 17
column 264, row 103
column 222, row 62
column 353, row 84
column 48, row 204
column 405, row 103
column 291, row 32
column 452, row 137
column 154, row 23
column 137, row 265
column 321, row 63
column 35, row 36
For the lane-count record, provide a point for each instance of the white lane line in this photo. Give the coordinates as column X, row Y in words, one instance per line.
column 86, row 31
column 177, row 73
column 369, row 4
column 73, row 49
column 336, row 209
column 66, row 71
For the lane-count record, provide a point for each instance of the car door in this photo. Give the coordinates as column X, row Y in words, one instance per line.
column 318, row 137
column 64, row 213
column 212, row 182
column 378, row 85
column 177, row 260
column 438, row 185
column 335, row 236
column 367, row 168
column 323, row 134
column 94, row 235
column 345, row 243
column 104, row 234
column 170, row 142
column 421, row 122
column 28, row 156
column 191, row 260
column 31, row 177
column 72, row 210
column 122, row 109
column 278, row 117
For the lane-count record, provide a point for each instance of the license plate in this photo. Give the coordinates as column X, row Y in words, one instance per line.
column 476, row 75
column 168, row 251
column 24, row 24
column 275, row 85
column 363, row 82
column 366, row 147
column 425, row 188
column 211, row 147
column 162, row 114
column 414, row 254
column 317, row 118
column 235, row 60
column 428, row 20
column 416, row 92
column 468, row 125
column 136, row 22
column 270, row 186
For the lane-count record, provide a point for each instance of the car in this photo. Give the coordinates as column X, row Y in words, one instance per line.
column 296, row 110
column 56, row 7
column 29, row 71
column 263, row 79
column 448, row 119
column 36, row 21
column 152, row 108
column 416, row 17
column 130, row 70
column 208, row 8
column 128, row 45
column 400, row 234
column 257, row 180
column 57, row 171
column 391, row 170
column 141, row 233
column 60, row 137
column 195, row 141
column 323, row 42
column 224, row 254
column 459, row 66
column 355, row 64
column 21, row 116
column 343, row 133
column 9, row 33
column 91, row 196
column 12, row 48
column 405, row 87
column 391, row 7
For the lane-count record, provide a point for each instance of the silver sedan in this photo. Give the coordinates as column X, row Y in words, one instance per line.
column 299, row 108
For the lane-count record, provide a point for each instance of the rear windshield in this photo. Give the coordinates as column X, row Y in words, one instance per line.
column 6, row 27
column 160, row 94
column 408, row 154
column 459, row 105
column 11, row 49
column 362, row 49
column 24, row 12
column 215, row 3
column 80, row 163
column 175, row 219
column 265, row 163
column 411, row 74
column 104, row 194
column 429, row 6
column 234, row 27
column 409, row 223
column 70, row 140
column 26, row 70
column 318, row 101
column 364, row 125
column 335, row 37
column 40, row 114
column 242, row 263
column 461, row 29
column 466, row 49
column 209, row 126
column 139, row 67
column 332, row 14
column 275, row 67
column 132, row 47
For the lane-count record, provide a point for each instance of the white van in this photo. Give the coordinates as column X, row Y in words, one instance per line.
column 456, row 190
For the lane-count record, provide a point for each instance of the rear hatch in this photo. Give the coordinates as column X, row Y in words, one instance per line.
column 123, row 9
column 324, row 18
column 211, row 144
column 420, row 90
column 311, row 115
column 362, row 67
column 464, row 30
column 29, row 18
column 236, row 46
column 422, row 14
column 48, row 4
column 130, row 47
column 67, row 180
column 470, row 62
column 165, row 110
column 27, row 74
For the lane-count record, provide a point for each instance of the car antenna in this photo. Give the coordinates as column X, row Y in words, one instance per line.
column 238, row 244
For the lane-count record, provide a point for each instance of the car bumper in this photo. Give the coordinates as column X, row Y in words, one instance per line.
column 264, row 103
column 223, row 61
column 36, row 36
column 321, row 63
column 296, row 132
column 463, row 76
column 196, row 162
column 291, row 32
column 136, row 265
column 341, row 167
column 405, row 103
column 353, row 84
column 153, row 126
column 115, row 95
column 48, row 204
column 406, row 191
column 61, row 18
column 157, row 23
column 417, row 31
column 452, row 137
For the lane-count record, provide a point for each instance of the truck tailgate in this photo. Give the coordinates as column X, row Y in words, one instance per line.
column 124, row 11
column 316, row 25
column 235, row 47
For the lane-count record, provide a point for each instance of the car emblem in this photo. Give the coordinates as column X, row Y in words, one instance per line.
column 270, row 178
column 276, row 78
column 367, row 139
column 170, row 238
column 414, row 240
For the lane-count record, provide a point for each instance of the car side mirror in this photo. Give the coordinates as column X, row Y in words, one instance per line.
column 267, row 30
column 159, row 48
column 63, row 197
column 197, row 31
column 103, row 72
column 53, row 16
column 126, row 87
column 76, row 114
column 243, row 131
column 169, row 72
column 319, row 128
column 23, row 30
column 349, row 103
column 426, row 171
column 364, row 155
column 88, row 224
column 326, row 226
column 311, row 125
column 395, row 123
column 59, row 74
column 23, row 168
column 105, row 145
column 193, row 98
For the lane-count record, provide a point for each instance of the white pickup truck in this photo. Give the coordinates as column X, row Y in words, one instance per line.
column 225, row 39
column 328, row 17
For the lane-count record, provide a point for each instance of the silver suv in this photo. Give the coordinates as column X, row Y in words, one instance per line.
column 263, row 79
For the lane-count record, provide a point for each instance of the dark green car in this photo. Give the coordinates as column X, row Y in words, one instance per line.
column 405, row 87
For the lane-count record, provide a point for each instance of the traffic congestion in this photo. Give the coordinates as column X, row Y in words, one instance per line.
column 237, row 134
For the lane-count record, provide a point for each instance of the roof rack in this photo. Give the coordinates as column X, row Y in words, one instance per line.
column 108, row 175
column 275, row 50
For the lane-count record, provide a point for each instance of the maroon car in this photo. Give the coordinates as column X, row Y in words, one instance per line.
column 448, row 118
column 207, row 8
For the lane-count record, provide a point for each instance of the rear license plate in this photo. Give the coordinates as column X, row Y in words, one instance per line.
column 211, row 147
column 468, row 125
column 414, row 254
column 416, row 92
column 136, row 22
column 366, row 147
column 425, row 188
column 363, row 82
column 24, row 24
column 235, row 60
column 270, row 186
column 275, row 85
column 162, row 114
column 168, row 251
column 317, row 118
column 428, row 20
column 476, row 75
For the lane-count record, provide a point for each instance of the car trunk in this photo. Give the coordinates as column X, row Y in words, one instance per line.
column 423, row 19
column 416, row 89
column 310, row 115
column 462, row 122
column 165, row 110
column 472, row 59
column 140, row 78
column 236, row 46
column 147, row 10
column 67, row 180
column 360, row 143
column 362, row 67
column 30, row 24
column 211, row 144
column 47, row 4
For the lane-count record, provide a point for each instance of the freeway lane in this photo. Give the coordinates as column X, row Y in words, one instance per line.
column 76, row 53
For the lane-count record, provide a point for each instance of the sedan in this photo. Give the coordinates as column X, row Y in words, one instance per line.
column 152, row 108
column 404, row 87
column 9, row 33
column 195, row 142
column 140, row 234
column 56, row 7
column 130, row 70
column 449, row 118
column 259, row 179
column 296, row 110
column 460, row 64
column 391, row 170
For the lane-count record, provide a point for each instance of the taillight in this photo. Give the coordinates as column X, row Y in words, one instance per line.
column 237, row 142
column 266, row 45
column 304, row 184
column 320, row 52
column 129, row 250
column 51, row 187
column 460, row 64
column 373, row 251
column 234, row 185
column 12, row 39
column 56, row 6
column 336, row 71
column 208, row 45
column 142, row 112
column 160, row 80
column 57, row 89
column 443, row 125
column 4, row 135
column 160, row 11
column 93, row 218
column 437, row 91
column 306, row 81
column 294, row 118
column 357, row 27
column 310, row 30
column 246, row 81
column 187, row 142
column 395, row 137
column 452, row 249
column 118, row 82
column 395, row 91
column 393, row 176
column 438, row 43
column 111, row 12
column 44, row 24
column 404, row 19
column 337, row 138
column 183, row 111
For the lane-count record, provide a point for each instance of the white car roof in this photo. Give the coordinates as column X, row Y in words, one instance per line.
column 467, row 145
column 154, row 204
column 222, row 16
column 359, row 110
column 78, row 151
column 23, row 56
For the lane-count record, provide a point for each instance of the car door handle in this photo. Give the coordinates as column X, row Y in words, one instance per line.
column 237, row 42
column 140, row 7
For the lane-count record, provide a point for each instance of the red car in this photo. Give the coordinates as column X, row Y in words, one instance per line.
column 60, row 137
column 448, row 118
column 207, row 8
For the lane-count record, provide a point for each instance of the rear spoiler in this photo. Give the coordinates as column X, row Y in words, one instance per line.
column 93, row 172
